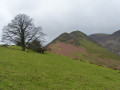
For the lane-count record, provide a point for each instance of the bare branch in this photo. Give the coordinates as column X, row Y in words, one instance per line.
column 21, row 30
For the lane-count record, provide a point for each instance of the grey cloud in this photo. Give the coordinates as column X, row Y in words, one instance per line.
column 58, row 16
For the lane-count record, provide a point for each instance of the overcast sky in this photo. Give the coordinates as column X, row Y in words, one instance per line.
column 58, row 16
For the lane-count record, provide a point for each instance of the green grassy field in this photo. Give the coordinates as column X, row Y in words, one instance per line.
column 101, row 52
column 33, row 71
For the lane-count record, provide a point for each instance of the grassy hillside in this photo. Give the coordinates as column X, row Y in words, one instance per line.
column 76, row 45
column 108, row 41
column 92, row 47
column 33, row 71
column 100, row 52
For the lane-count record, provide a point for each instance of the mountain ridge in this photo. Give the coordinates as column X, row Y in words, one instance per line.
column 110, row 42
column 79, row 46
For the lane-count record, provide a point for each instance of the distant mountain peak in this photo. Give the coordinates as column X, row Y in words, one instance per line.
column 117, row 33
column 108, row 41
column 77, row 31
column 79, row 46
column 102, row 34
column 73, row 37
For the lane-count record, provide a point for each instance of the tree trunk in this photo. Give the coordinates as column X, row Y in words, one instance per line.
column 23, row 40
column 23, row 48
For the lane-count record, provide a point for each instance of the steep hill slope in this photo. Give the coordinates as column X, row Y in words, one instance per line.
column 33, row 71
column 98, row 37
column 111, row 42
column 77, row 45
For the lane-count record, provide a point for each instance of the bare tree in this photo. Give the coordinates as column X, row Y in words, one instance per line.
column 21, row 30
